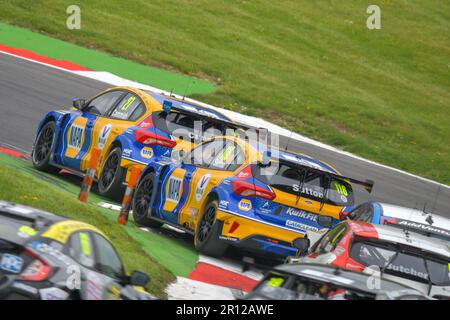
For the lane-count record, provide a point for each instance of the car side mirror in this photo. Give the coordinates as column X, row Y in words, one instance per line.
column 302, row 245
column 139, row 279
column 178, row 155
column 325, row 221
column 79, row 104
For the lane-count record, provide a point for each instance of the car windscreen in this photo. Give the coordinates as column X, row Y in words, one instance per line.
column 300, row 182
column 415, row 265
column 188, row 127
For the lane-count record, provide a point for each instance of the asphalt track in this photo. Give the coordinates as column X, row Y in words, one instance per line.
column 28, row 90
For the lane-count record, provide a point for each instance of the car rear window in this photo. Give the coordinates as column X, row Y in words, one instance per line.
column 310, row 184
column 418, row 265
column 188, row 127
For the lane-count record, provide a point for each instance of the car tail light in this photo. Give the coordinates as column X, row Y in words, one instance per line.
column 151, row 138
column 247, row 189
column 38, row 270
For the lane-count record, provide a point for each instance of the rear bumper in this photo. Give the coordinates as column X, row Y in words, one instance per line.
column 256, row 235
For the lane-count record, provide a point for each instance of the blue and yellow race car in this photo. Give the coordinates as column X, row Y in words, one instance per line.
column 128, row 125
column 228, row 191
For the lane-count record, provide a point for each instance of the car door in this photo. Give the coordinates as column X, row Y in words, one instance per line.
column 186, row 184
column 110, row 273
column 123, row 115
column 77, row 138
column 221, row 159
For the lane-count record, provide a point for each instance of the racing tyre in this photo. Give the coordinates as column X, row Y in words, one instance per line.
column 43, row 148
column 206, row 237
column 112, row 177
column 141, row 202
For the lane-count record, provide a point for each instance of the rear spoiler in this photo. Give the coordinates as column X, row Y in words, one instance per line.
column 167, row 107
column 367, row 184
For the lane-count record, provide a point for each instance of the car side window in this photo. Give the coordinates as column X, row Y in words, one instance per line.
column 362, row 213
column 102, row 104
column 229, row 158
column 81, row 249
column 204, row 153
column 129, row 108
column 331, row 239
column 107, row 262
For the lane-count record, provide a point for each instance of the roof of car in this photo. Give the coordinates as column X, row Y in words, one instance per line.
column 26, row 212
column 332, row 274
column 396, row 235
column 415, row 215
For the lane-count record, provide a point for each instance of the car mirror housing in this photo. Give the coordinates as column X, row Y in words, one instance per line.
column 302, row 244
column 139, row 279
column 178, row 155
column 78, row 103
column 266, row 159
column 325, row 221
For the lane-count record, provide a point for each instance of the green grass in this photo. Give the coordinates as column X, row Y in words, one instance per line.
column 18, row 185
column 312, row 66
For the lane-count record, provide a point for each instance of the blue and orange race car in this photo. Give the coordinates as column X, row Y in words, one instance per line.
column 128, row 125
column 228, row 191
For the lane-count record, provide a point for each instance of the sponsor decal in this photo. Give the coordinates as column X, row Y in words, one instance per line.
column 223, row 204
column 301, row 214
column 94, row 287
column 300, row 226
column 103, row 136
column 245, row 205
column 127, row 152
column 423, row 227
column 53, row 294
column 201, row 187
column 344, row 198
column 228, row 238
column 406, row 270
column 147, row 153
column 45, row 248
column 243, row 175
column 11, row 263
column 75, row 137
column 24, row 287
column 307, row 191
column 146, row 123
column 26, row 232
column 174, row 190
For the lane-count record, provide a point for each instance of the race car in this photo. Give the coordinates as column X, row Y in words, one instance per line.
column 415, row 260
column 432, row 225
column 228, row 191
column 128, row 125
column 47, row 257
column 310, row 281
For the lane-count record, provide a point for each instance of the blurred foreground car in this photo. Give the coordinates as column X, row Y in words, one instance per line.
column 429, row 224
column 400, row 255
column 48, row 257
column 307, row 281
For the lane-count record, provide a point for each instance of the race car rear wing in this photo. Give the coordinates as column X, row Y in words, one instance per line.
column 367, row 184
column 167, row 107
